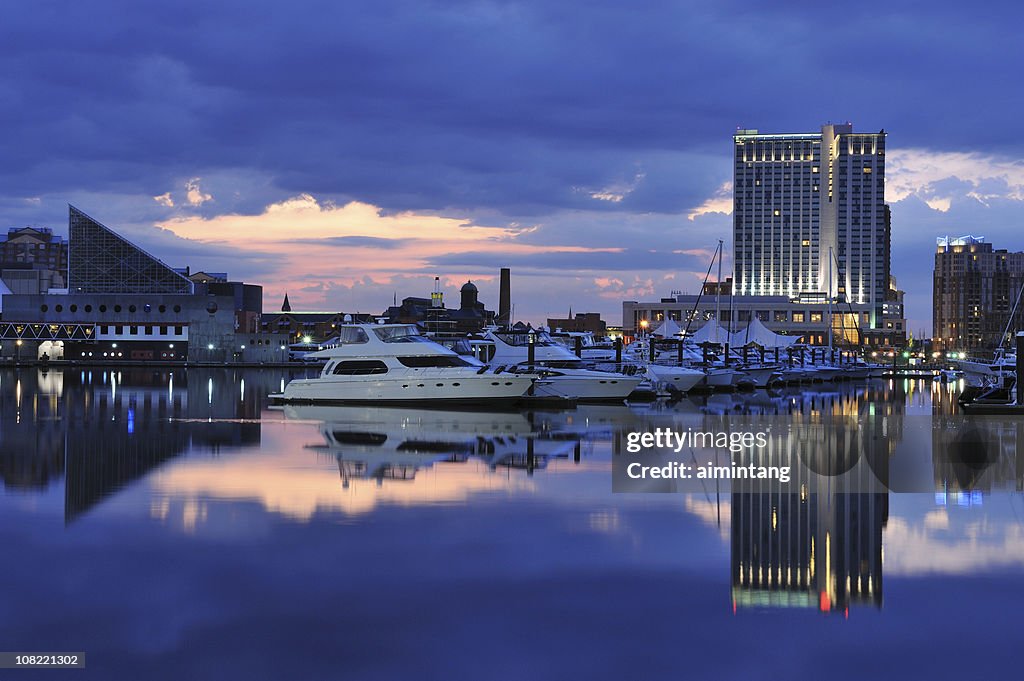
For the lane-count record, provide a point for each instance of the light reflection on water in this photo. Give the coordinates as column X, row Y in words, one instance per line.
column 164, row 463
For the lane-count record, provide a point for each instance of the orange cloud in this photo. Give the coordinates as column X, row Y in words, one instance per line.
column 355, row 244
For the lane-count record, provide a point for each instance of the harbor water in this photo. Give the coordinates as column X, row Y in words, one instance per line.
column 175, row 525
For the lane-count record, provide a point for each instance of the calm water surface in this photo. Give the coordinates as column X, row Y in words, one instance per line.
column 173, row 526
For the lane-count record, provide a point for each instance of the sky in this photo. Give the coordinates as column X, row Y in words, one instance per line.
column 348, row 153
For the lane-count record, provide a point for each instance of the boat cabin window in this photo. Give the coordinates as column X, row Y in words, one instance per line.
column 458, row 345
column 351, row 335
column 522, row 339
column 561, row 363
column 437, row 447
column 433, row 361
column 360, row 367
column 346, row 437
column 399, row 334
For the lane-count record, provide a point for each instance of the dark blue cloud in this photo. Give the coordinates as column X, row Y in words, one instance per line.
column 508, row 105
column 517, row 111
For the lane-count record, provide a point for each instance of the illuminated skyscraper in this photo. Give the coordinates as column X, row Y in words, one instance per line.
column 800, row 197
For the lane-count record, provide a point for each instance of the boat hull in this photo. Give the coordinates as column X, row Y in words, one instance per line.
column 589, row 388
column 759, row 376
column 720, row 378
column 679, row 379
column 473, row 389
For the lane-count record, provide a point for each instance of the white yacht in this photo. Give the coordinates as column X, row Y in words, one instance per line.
column 590, row 348
column 561, row 372
column 758, row 374
column 719, row 376
column 981, row 372
column 677, row 379
column 666, row 370
column 394, row 364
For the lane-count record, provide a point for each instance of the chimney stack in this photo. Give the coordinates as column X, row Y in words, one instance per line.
column 505, row 298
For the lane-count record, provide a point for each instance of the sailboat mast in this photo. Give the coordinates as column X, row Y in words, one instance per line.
column 1003, row 338
column 828, row 329
column 718, row 289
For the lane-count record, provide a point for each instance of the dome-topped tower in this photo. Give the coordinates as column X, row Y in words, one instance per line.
column 469, row 293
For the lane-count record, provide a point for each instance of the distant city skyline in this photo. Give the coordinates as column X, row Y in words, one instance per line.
column 349, row 154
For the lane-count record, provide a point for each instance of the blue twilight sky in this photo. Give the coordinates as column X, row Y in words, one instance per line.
column 349, row 152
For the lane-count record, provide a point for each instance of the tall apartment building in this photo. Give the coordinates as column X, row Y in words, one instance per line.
column 810, row 223
column 974, row 288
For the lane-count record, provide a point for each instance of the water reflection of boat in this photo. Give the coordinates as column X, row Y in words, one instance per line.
column 442, row 423
column 392, row 442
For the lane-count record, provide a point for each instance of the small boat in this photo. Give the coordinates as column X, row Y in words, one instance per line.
column 828, row 372
column 719, row 377
column 759, row 375
column 676, row 379
column 560, row 372
column 949, row 375
column 981, row 372
column 798, row 374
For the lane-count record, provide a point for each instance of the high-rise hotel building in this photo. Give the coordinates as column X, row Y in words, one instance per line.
column 810, row 223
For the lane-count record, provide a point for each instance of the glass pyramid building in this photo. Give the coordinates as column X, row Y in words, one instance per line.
column 100, row 261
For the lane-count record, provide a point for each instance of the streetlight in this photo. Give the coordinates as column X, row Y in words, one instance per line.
column 17, row 356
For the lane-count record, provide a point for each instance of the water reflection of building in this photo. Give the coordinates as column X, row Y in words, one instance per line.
column 813, row 550
column 977, row 453
column 31, row 432
column 104, row 429
column 816, row 541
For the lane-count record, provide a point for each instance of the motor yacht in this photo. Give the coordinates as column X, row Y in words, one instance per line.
column 395, row 364
column 978, row 372
column 590, row 347
column 560, row 372
column 758, row 374
column 676, row 379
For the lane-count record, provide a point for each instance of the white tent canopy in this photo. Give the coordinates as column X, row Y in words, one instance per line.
column 668, row 329
column 757, row 332
column 712, row 332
